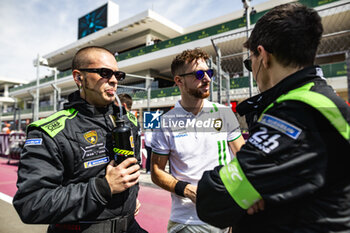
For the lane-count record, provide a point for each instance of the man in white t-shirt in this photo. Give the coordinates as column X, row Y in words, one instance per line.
column 195, row 136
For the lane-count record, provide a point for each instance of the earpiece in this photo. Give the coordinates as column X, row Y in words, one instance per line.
column 79, row 78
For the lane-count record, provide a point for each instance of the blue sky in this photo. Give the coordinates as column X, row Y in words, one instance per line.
column 37, row 26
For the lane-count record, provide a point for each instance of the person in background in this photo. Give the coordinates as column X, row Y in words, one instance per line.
column 293, row 173
column 202, row 135
column 7, row 140
column 7, row 129
column 131, row 120
column 67, row 175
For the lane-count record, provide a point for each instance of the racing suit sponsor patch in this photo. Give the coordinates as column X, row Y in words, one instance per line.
column 93, row 150
column 264, row 141
column 91, row 136
column 96, row 162
column 53, row 126
column 33, row 141
column 280, row 125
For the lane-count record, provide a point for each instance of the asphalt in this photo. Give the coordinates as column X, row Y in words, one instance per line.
column 11, row 223
column 145, row 180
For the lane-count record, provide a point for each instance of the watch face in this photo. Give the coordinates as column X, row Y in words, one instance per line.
column 92, row 22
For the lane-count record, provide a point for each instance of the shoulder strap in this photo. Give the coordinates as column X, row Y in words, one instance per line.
column 53, row 124
column 319, row 102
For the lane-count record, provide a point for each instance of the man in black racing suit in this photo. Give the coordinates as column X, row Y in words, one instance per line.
column 67, row 174
column 293, row 173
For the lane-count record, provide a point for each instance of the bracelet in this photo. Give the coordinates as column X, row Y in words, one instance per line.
column 180, row 187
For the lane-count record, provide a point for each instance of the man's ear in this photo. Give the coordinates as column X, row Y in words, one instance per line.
column 124, row 105
column 265, row 56
column 178, row 80
column 78, row 79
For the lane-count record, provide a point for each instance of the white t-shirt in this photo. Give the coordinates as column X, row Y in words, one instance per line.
column 148, row 137
column 194, row 144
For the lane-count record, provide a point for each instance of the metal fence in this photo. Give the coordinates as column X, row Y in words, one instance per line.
column 334, row 47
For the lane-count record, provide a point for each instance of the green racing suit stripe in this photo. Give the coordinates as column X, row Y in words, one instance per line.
column 320, row 102
column 238, row 186
column 53, row 124
column 132, row 118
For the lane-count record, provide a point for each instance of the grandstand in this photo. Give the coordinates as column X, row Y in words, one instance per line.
column 8, row 104
column 146, row 43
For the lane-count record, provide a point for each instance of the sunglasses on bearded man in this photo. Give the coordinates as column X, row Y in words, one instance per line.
column 199, row 74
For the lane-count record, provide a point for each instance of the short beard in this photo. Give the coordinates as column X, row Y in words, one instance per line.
column 198, row 94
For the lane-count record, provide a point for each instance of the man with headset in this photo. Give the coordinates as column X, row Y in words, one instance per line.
column 293, row 174
column 67, row 175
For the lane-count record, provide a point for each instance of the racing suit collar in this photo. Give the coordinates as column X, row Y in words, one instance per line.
column 258, row 103
column 75, row 101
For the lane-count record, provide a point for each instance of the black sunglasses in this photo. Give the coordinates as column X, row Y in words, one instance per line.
column 106, row 73
column 200, row 73
column 248, row 64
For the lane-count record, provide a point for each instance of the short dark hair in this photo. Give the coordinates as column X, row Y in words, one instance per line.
column 186, row 57
column 80, row 59
column 291, row 32
column 126, row 98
